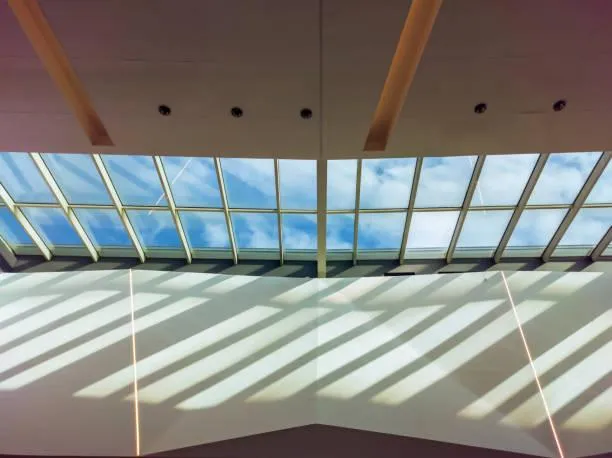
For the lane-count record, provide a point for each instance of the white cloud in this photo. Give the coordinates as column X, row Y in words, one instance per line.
column 431, row 229
column 385, row 183
column 444, row 180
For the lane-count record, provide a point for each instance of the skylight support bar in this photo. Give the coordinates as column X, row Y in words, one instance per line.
column 413, row 191
column 27, row 226
column 117, row 205
column 467, row 200
column 590, row 182
column 159, row 166
column 228, row 218
column 7, row 254
column 279, row 215
column 68, row 211
column 520, row 206
column 356, row 220
column 601, row 245
column 321, row 218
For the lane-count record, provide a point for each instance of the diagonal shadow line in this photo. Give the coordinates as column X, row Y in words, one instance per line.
column 423, row 328
column 551, row 377
column 378, row 324
column 197, row 355
column 86, row 334
column 42, row 328
column 583, row 401
column 300, row 360
column 77, row 353
column 13, row 311
column 226, row 298
column 429, row 356
column 578, row 351
column 120, row 380
column 534, row 326
column 377, row 352
column 248, row 359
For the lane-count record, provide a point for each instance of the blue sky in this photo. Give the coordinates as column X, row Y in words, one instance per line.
column 250, row 184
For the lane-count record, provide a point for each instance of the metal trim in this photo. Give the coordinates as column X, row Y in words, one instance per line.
column 161, row 172
column 27, row 226
column 601, row 246
column 520, row 206
column 584, row 192
column 467, row 200
column 357, row 201
column 65, row 206
column 228, row 219
column 117, row 205
column 278, row 212
column 321, row 218
column 411, row 200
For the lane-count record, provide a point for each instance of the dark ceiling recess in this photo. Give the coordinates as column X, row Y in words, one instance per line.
column 480, row 108
column 559, row 105
column 164, row 110
column 306, row 113
column 236, row 112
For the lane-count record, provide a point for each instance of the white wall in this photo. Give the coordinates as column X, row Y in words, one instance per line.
column 433, row 356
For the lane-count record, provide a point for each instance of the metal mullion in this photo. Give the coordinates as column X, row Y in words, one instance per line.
column 118, row 206
column 469, row 193
column 7, row 253
column 601, row 245
column 228, row 219
column 357, row 201
column 321, row 218
column 27, row 226
column 278, row 212
column 39, row 205
column 520, row 206
column 159, row 166
column 411, row 200
column 590, row 182
column 68, row 211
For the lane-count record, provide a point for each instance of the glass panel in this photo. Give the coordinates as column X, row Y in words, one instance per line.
column 155, row 229
column 340, row 231
column 256, row 230
column 78, row 178
column 300, row 232
column 11, row 231
column 205, row 229
column 534, row 230
column 104, row 227
column 481, row 232
column 135, row 179
column 502, row 179
column 298, row 184
column 380, row 231
column 193, row 181
column 53, row 226
column 602, row 192
column 588, row 227
column 608, row 251
column 385, row 183
column 444, row 181
column 562, row 177
column 22, row 179
column 430, row 233
column 341, row 184
column 249, row 183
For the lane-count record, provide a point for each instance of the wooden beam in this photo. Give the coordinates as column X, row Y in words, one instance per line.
column 415, row 34
column 52, row 55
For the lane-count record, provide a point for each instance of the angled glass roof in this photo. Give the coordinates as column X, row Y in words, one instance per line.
column 527, row 205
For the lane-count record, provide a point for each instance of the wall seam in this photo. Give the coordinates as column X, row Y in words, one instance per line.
column 533, row 368
column 134, row 360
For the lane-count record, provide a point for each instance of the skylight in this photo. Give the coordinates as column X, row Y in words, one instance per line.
column 498, row 206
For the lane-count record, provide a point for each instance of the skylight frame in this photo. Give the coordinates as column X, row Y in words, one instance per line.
column 321, row 253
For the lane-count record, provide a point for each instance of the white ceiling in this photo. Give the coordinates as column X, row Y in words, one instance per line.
column 203, row 57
